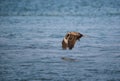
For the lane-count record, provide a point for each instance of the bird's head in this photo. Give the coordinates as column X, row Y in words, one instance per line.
column 79, row 35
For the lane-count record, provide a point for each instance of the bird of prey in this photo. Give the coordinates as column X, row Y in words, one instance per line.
column 70, row 39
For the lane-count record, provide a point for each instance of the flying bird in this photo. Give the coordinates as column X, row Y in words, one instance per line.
column 70, row 39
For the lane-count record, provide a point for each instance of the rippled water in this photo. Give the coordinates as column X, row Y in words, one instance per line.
column 60, row 7
column 30, row 46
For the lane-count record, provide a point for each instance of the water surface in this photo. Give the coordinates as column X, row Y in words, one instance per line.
column 30, row 43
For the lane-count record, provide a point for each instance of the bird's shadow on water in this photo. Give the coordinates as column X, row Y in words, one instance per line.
column 69, row 59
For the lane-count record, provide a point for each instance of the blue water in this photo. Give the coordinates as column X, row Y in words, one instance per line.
column 31, row 33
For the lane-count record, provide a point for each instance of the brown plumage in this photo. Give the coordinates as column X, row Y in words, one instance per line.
column 70, row 39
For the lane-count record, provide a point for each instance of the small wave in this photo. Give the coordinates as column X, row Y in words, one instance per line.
column 113, row 14
column 56, row 36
